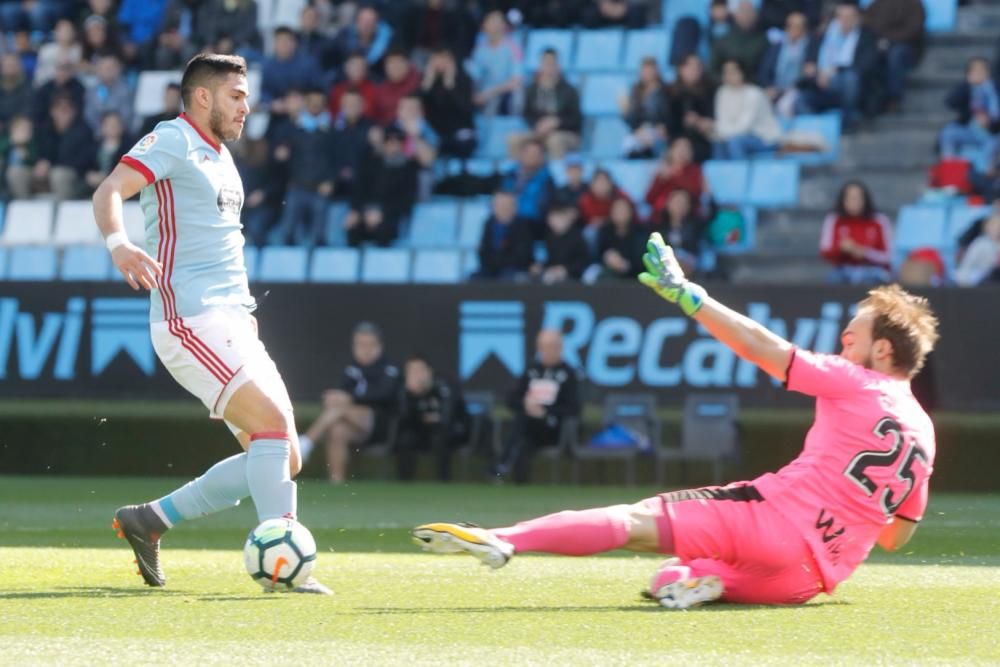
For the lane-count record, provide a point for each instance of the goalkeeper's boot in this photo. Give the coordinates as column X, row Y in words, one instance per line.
column 451, row 538
column 674, row 587
column 312, row 586
column 140, row 525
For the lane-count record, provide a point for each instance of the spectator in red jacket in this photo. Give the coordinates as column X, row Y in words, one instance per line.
column 676, row 171
column 356, row 79
column 595, row 205
column 401, row 79
column 856, row 238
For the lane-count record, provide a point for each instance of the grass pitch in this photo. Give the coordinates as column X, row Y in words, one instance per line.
column 68, row 594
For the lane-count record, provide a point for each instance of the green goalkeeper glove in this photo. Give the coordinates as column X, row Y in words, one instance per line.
column 664, row 276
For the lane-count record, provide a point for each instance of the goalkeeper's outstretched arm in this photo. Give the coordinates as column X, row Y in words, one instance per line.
column 747, row 338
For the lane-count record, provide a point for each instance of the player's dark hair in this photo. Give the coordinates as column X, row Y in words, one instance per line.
column 868, row 209
column 906, row 321
column 204, row 68
column 369, row 329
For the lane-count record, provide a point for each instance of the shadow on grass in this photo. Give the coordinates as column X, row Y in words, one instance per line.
column 84, row 592
column 642, row 606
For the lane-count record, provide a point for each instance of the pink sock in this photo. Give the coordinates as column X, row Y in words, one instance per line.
column 570, row 533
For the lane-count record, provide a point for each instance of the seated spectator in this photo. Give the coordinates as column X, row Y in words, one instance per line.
column 841, row 67
column 420, row 141
column 37, row 16
column 356, row 80
column 981, row 260
column 531, row 183
column 899, row 27
column 682, row 228
column 171, row 109
column 620, row 246
column 744, row 119
column 575, row 186
column 567, row 254
column 783, row 64
column 235, row 20
column 552, row 110
column 263, row 197
column 314, row 40
column 614, row 14
column 368, row 35
column 140, row 21
column 109, row 92
column 288, row 68
column 18, row 154
column 385, row 193
column 544, row 397
column 692, row 107
column 923, row 267
column 595, row 202
column 99, row 40
column 112, row 143
column 499, row 68
column 744, row 42
column 66, row 82
column 774, row 13
column 676, row 171
column 65, row 150
column 433, row 419
column 309, row 154
column 349, row 142
column 172, row 50
column 24, row 49
column 65, row 46
column 505, row 248
column 446, row 92
column 431, row 25
column 646, row 110
column 548, row 14
column 401, row 79
column 978, row 106
column 15, row 89
column 856, row 238
column 359, row 409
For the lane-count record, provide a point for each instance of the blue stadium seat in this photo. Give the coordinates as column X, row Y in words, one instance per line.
column 474, row 215
column 632, row 176
column 773, row 183
column 598, row 50
column 494, row 146
column 607, row 137
column 335, row 265
column 601, row 92
column 749, row 240
column 482, row 167
column 336, row 235
column 433, row 224
column 961, row 219
column 250, row 257
column 826, row 125
column 918, row 227
column 31, row 263
column 86, row 262
column 283, row 264
column 437, row 266
column 941, row 15
column 540, row 40
column 3, row 259
column 385, row 265
column 673, row 10
column 728, row 180
column 470, row 262
column 653, row 42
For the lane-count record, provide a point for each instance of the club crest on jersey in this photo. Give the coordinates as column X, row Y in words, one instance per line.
column 145, row 143
column 230, row 200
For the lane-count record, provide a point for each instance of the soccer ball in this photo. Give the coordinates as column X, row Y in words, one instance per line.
column 279, row 554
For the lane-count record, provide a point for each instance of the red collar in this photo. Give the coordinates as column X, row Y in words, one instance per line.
column 208, row 140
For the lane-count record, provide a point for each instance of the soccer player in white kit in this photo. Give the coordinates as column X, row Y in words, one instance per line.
column 200, row 304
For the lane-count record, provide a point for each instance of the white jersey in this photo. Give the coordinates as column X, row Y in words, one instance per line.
column 192, row 212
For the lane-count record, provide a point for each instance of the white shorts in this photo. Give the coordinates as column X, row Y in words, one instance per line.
column 215, row 353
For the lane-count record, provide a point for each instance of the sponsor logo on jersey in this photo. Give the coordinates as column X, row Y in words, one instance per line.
column 145, row 144
column 230, row 200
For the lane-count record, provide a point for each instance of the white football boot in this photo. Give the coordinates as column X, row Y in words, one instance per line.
column 452, row 538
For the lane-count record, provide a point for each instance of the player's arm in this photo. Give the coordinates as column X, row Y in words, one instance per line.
column 897, row 534
column 138, row 268
column 747, row 338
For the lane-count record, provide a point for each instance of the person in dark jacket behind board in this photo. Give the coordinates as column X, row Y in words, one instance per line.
column 359, row 409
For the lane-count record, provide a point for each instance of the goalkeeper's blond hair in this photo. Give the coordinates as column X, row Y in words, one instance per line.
column 906, row 321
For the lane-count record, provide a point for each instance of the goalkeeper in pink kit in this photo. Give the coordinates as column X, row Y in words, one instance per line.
column 783, row 538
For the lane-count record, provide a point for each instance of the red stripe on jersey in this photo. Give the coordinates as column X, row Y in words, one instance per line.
column 208, row 140
column 130, row 161
column 161, row 246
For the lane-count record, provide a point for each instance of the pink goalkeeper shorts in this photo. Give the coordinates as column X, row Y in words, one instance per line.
column 733, row 533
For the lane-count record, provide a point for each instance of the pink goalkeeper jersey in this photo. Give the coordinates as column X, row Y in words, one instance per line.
column 868, row 457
